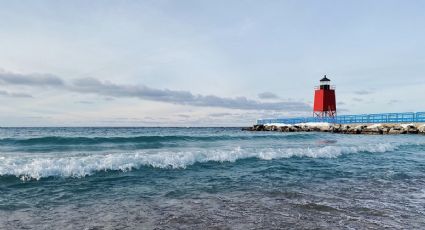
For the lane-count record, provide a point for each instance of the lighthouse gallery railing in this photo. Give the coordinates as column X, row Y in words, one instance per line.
column 353, row 119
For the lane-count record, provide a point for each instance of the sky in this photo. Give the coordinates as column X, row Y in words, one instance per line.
column 205, row 63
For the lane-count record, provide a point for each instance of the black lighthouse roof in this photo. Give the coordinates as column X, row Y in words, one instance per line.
column 325, row 79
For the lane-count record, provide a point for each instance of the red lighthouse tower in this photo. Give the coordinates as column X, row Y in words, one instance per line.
column 324, row 100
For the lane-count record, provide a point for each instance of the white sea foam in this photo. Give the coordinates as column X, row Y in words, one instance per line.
column 37, row 167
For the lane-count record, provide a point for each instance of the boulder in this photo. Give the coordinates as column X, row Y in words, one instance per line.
column 291, row 129
column 284, row 128
column 305, row 128
column 356, row 130
column 294, row 128
column 302, row 128
column 315, row 128
column 336, row 128
column 353, row 130
column 345, row 128
column 411, row 129
column 421, row 129
column 385, row 130
column 258, row 127
column 274, row 128
column 397, row 129
column 325, row 128
column 373, row 130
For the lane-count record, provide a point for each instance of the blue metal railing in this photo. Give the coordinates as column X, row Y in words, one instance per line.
column 353, row 119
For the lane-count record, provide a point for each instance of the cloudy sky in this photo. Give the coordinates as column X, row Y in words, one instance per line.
column 205, row 63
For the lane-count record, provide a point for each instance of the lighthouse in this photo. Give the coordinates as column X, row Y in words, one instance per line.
column 324, row 100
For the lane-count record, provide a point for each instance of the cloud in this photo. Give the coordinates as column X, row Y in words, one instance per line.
column 357, row 99
column 30, row 80
column 363, row 92
column 108, row 89
column 267, row 95
column 9, row 94
column 91, row 85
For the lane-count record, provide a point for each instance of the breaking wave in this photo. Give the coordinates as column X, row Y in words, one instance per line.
column 41, row 166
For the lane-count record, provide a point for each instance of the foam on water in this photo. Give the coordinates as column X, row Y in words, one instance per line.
column 36, row 167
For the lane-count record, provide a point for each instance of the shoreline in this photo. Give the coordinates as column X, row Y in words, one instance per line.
column 369, row 129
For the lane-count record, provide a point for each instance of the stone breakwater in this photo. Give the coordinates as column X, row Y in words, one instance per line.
column 373, row 129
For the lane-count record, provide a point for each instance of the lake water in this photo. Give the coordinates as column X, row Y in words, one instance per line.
column 167, row 178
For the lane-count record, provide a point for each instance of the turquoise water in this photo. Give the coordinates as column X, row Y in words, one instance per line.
column 167, row 178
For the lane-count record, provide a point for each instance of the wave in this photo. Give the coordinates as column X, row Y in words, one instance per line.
column 37, row 167
column 56, row 140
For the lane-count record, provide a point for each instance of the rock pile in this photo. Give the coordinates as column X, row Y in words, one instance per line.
column 375, row 129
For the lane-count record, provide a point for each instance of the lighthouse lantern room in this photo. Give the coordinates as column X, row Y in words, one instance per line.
column 324, row 100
